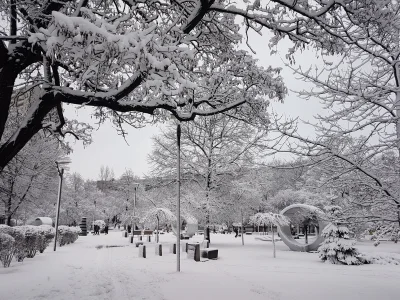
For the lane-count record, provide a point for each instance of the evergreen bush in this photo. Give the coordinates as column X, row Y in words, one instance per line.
column 19, row 237
column 7, row 249
column 337, row 248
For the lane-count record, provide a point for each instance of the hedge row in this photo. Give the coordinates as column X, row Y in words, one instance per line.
column 25, row 241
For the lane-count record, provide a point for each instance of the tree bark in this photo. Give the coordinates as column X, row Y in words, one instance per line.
column 9, row 203
column 273, row 239
column 10, row 66
column 242, row 230
column 33, row 123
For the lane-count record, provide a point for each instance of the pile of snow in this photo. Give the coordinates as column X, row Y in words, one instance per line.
column 381, row 258
column 25, row 241
column 267, row 238
column 337, row 248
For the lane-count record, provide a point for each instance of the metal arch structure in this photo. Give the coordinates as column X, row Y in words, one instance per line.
column 43, row 221
column 286, row 234
column 192, row 225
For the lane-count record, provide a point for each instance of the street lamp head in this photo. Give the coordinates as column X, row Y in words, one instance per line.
column 135, row 185
column 62, row 164
column 63, row 161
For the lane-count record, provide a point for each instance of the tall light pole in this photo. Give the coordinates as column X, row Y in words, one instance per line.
column 135, row 186
column 178, row 200
column 60, row 168
column 94, row 213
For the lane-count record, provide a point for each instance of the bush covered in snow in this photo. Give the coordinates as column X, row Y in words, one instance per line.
column 337, row 247
column 32, row 237
column 28, row 239
column 46, row 234
column 7, row 249
column 100, row 223
column 380, row 258
column 67, row 235
column 19, row 237
column 382, row 230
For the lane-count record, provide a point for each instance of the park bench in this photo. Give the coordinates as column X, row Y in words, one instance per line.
column 199, row 240
column 210, row 253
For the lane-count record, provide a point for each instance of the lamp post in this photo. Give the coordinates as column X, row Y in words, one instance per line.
column 178, row 204
column 60, row 168
column 94, row 213
column 135, row 186
column 178, row 200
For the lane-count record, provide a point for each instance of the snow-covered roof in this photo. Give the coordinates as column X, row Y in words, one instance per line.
column 304, row 206
column 44, row 220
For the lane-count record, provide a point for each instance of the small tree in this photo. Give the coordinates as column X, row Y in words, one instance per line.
column 271, row 219
column 381, row 229
column 6, row 249
column 46, row 234
column 337, row 247
column 163, row 215
column 31, row 239
column 19, row 241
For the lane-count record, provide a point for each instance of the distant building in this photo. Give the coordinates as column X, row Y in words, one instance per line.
column 43, row 221
column 2, row 213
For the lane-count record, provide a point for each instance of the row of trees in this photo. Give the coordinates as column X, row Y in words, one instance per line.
column 141, row 61
column 225, row 182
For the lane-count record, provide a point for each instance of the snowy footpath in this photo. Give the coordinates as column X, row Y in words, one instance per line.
column 85, row 271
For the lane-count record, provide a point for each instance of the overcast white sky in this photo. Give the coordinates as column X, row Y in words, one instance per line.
column 110, row 149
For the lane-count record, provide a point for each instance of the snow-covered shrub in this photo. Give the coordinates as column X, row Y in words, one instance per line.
column 382, row 230
column 337, row 248
column 100, row 223
column 7, row 244
column 32, row 237
column 67, row 235
column 380, row 258
column 19, row 237
column 46, row 234
column 76, row 231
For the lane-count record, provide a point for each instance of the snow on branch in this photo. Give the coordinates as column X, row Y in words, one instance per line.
column 269, row 218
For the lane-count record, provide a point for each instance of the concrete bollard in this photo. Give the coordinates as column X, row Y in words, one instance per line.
column 131, row 239
column 142, row 251
column 193, row 251
column 125, row 234
column 159, row 250
column 172, row 248
column 184, row 246
column 149, row 238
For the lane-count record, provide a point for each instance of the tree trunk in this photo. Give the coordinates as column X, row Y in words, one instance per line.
column 273, row 239
column 158, row 228
column 9, row 202
column 305, row 233
column 398, row 214
column 242, row 230
column 33, row 123
column 397, row 106
column 8, row 222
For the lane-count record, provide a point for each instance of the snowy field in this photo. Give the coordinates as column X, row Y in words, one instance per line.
column 80, row 271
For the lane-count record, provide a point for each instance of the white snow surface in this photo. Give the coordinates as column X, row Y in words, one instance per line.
column 81, row 271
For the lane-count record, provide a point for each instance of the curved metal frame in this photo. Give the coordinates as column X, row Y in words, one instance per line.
column 286, row 235
column 191, row 227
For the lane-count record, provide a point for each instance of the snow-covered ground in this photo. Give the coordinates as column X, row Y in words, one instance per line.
column 81, row 272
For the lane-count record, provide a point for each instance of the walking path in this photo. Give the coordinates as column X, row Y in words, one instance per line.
column 82, row 272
